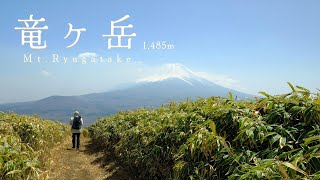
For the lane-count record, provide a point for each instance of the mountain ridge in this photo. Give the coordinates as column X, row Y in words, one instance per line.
column 176, row 83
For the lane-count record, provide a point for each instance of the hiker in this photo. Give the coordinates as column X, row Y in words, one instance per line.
column 76, row 122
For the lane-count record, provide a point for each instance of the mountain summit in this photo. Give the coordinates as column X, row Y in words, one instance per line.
column 169, row 71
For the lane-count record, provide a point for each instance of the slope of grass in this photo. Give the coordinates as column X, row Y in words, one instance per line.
column 25, row 142
column 274, row 137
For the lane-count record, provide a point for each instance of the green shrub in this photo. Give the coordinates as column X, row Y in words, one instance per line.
column 274, row 137
column 25, row 142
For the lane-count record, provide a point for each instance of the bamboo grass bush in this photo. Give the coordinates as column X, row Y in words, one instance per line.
column 25, row 142
column 274, row 137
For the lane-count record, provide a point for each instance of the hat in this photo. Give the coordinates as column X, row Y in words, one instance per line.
column 76, row 113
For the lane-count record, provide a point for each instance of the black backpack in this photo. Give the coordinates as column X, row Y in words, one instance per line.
column 76, row 124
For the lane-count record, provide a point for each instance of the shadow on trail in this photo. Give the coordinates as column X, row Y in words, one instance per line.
column 114, row 169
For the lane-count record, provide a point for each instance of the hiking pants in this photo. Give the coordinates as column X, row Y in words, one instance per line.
column 74, row 137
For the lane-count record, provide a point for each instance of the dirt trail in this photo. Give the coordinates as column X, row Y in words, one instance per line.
column 71, row 164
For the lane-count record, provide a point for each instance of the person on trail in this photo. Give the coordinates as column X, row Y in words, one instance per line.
column 76, row 122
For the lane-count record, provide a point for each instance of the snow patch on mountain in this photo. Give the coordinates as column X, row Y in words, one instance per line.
column 176, row 70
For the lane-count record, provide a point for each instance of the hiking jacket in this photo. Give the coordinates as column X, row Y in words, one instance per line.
column 75, row 130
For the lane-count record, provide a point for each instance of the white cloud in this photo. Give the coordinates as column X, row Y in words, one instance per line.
column 46, row 73
column 87, row 55
column 219, row 79
column 223, row 80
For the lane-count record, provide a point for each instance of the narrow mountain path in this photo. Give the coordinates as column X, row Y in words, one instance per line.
column 71, row 164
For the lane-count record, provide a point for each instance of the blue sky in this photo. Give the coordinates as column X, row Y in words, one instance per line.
column 254, row 45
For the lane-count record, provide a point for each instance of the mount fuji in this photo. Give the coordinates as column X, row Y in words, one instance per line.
column 177, row 82
column 174, row 82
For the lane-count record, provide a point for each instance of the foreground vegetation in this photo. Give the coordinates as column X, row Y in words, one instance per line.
column 274, row 137
column 25, row 142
